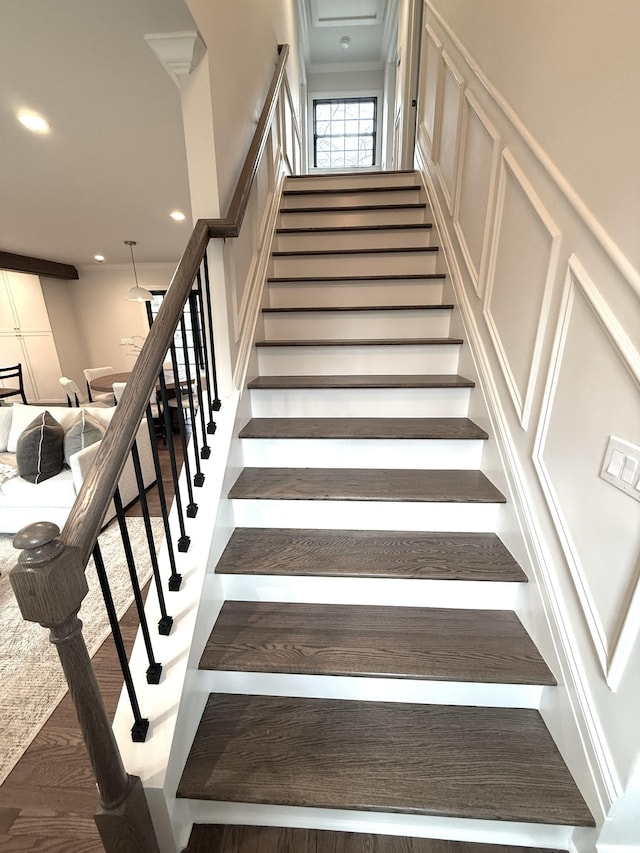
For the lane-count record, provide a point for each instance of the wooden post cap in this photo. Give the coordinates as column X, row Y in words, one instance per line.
column 49, row 580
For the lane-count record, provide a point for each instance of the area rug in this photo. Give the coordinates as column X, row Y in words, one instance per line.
column 30, row 672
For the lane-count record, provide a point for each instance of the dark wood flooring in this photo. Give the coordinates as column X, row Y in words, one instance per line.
column 369, row 553
column 365, row 484
column 434, row 380
column 488, row 646
column 262, row 839
column 362, row 342
column 410, row 428
column 467, row 762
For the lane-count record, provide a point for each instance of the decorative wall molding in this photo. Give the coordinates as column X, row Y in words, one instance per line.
column 256, row 279
column 433, row 49
column 613, row 653
column 603, row 776
column 610, row 247
column 447, row 151
column 478, row 272
column 510, row 171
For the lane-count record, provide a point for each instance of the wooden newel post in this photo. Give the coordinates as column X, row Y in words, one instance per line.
column 50, row 584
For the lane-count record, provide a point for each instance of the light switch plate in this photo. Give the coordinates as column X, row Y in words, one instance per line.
column 628, row 466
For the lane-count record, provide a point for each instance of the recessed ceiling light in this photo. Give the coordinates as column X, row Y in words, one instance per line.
column 345, row 42
column 33, row 122
column 177, row 215
column 99, row 258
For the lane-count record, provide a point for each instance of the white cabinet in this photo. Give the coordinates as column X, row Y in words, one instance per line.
column 26, row 338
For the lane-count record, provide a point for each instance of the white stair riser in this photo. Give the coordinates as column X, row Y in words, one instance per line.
column 488, row 832
column 361, row 402
column 372, row 689
column 340, row 325
column 373, row 592
column 351, row 180
column 303, row 294
column 395, row 263
column 354, row 239
column 311, row 219
column 364, row 360
column 362, row 453
column 368, row 515
column 408, row 196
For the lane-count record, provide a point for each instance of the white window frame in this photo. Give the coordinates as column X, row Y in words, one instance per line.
column 358, row 93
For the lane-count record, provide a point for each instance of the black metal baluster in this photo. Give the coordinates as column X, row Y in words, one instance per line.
column 154, row 670
column 184, row 541
column 201, row 368
column 175, row 579
column 141, row 724
column 198, row 479
column 206, row 351
column 166, row 621
column 192, row 506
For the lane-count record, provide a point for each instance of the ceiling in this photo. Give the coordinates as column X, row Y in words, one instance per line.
column 368, row 24
column 114, row 164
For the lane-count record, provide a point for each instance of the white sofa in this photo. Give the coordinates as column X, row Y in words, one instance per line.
column 23, row 503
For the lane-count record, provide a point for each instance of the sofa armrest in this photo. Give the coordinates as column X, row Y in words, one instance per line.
column 81, row 461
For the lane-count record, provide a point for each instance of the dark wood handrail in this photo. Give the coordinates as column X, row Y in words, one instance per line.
column 85, row 519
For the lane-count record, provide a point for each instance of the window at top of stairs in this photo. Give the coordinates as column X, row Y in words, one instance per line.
column 344, row 133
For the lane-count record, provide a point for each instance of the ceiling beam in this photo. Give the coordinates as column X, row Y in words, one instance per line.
column 37, row 266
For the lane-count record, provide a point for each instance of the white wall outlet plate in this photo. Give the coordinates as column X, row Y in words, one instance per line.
column 621, row 466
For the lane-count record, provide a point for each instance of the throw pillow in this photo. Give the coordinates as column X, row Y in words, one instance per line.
column 39, row 451
column 85, row 431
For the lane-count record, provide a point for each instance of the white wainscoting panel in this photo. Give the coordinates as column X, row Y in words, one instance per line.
column 430, row 83
column 524, row 250
column 475, row 189
column 593, row 391
column 447, row 154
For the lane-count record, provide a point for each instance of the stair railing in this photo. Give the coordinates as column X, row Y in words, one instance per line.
column 49, row 579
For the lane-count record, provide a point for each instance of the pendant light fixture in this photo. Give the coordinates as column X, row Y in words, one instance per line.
column 137, row 293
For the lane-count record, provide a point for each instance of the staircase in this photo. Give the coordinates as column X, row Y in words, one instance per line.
column 367, row 668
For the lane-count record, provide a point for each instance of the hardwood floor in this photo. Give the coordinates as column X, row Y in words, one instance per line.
column 405, row 642
column 48, row 801
column 264, row 839
column 458, row 761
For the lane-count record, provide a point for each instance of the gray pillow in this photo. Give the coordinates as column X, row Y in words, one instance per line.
column 39, row 451
column 85, row 431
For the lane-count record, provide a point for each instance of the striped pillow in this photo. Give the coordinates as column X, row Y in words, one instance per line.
column 39, row 450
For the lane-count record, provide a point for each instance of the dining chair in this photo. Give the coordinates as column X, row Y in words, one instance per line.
column 91, row 373
column 73, row 394
column 14, row 372
column 156, row 410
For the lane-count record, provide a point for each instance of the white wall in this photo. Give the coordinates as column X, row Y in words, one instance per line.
column 101, row 315
column 529, row 148
column 242, row 39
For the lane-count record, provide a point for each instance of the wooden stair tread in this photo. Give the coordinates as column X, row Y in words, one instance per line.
column 369, row 553
column 230, row 838
column 355, row 208
column 351, row 278
column 384, row 250
column 408, row 428
column 361, row 342
column 357, row 173
column 330, row 229
column 351, row 190
column 486, row 763
column 365, row 484
column 435, row 380
column 320, row 309
column 488, row 646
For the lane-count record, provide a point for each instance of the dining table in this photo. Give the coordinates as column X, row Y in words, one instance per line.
column 104, row 384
